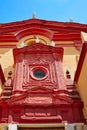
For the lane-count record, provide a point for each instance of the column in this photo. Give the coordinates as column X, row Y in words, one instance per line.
column 12, row 127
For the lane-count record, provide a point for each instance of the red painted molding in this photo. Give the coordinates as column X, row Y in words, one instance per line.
column 81, row 60
column 77, row 27
column 8, row 38
column 61, row 30
column 67, row 36
column 7, row 46
column 34, row 31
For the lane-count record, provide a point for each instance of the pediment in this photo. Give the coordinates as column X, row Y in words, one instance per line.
column 34, row 23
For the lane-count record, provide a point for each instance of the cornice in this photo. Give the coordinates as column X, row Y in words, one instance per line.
column 53, row 25
column 8, row 38
column 56, row 31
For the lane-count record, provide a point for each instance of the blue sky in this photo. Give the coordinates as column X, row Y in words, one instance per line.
column 57, row 10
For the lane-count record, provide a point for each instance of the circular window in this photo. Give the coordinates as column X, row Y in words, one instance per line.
column 39, row 73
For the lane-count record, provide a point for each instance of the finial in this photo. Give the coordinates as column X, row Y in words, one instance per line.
column 71, row 20
column 37, row 40
column 22, row 44
column 52, row 43
column 34, row 16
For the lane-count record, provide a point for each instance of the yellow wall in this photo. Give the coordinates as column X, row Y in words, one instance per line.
column 82, row 85
column 69, row 63
column 70, row 60
column 6, row 56
column 84, row 36
column 6, row 59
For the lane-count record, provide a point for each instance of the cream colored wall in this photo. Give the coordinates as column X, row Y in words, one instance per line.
column 6, row 61
column 84, row 36
column 69, row 63
column 82, row 85
column 70, row 60
column 71, row 51
column 6, row 58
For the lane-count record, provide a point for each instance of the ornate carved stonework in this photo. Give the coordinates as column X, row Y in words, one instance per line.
column 39, row 93
column 37, row 56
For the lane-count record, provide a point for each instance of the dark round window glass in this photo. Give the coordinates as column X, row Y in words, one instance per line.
column 39, row 74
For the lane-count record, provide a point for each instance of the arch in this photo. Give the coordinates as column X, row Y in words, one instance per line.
column 34, row 31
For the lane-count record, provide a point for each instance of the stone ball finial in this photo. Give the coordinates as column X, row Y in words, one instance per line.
column 34, row 16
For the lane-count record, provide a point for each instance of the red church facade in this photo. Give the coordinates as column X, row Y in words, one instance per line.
column 38, row 92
